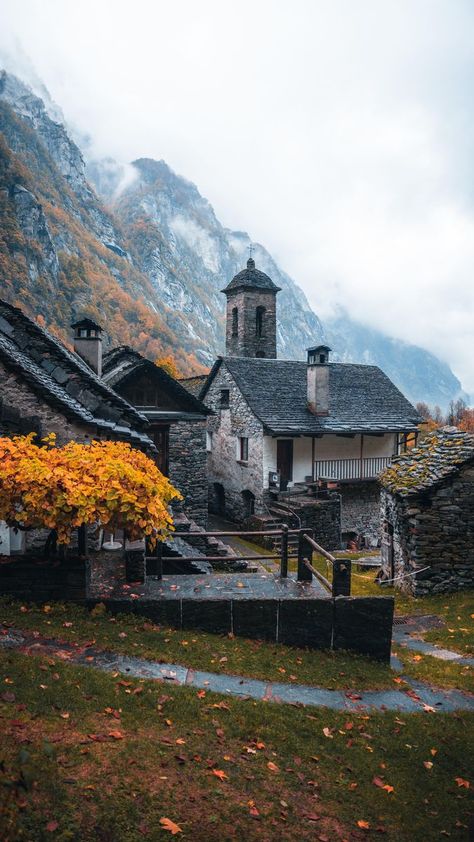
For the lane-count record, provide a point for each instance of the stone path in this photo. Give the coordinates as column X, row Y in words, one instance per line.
column 403, row 636
column 418, row 697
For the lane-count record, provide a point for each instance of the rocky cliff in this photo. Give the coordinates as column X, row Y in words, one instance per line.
column 138, row 248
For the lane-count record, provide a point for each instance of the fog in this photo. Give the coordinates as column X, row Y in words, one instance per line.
column 339, row 134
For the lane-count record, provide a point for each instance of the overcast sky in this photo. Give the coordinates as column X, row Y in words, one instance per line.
column 338, row 133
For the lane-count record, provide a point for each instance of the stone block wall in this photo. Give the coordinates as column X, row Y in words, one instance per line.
column 187, row 466
column 246, row 342
column 324, row 517
column 224, row 468
column 23, row 411
column 360, row 509
column 433, row 530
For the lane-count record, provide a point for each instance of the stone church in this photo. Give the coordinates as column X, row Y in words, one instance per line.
column 280, row 429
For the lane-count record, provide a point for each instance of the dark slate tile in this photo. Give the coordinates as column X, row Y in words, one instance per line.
column 364, row 625
column 256, row 618
column 207, row 615
column 306, row 623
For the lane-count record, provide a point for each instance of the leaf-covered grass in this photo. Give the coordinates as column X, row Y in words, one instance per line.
column 89, row 756
column 440, row 673
column 132, row 635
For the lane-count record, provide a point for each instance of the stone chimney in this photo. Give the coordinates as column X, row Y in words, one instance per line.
column 88, row 343
column 318, row 379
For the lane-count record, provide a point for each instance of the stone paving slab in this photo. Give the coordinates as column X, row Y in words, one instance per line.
column 422, row 696
column 407, row 641
column 217, row 586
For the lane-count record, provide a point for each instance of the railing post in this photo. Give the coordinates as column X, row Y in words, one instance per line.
column 304, row 552
column 284, row 552
column 82, row 539
column 159, row 559
column 341, row 577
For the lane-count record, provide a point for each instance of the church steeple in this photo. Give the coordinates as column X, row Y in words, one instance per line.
column 251, row 314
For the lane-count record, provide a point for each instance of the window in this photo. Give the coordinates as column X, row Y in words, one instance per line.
column 322, row 358
column 235, row 321
column 225, row 402
column 208, row 441
column 160, row 436
column 243, row 449
column 259, row 314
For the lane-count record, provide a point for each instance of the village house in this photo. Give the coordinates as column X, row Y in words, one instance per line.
column 45, row 388
column 176, row 423
column 427, row 511
column 280, row 427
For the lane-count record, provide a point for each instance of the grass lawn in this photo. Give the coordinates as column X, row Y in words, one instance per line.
column 131, row 635
column 90, row 756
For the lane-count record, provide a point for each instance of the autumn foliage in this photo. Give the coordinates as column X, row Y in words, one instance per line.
column 62, row 488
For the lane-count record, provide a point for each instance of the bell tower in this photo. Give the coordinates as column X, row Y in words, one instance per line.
column 251, row 314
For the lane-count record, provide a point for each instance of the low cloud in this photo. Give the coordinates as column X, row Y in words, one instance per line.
column 339, row 134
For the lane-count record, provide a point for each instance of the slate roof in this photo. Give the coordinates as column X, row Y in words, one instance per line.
column 251, row 278
column 362, row 397
column 123, row 363
column 63, row 380
column 194, row 384
column 439, row 456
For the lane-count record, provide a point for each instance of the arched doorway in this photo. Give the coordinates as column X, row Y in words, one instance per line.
column 249, row 503
column 219, row 499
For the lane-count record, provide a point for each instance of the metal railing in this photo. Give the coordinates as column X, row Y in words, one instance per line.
column 340, row 469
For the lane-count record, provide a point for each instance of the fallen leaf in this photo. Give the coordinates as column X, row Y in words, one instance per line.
column 167, row 824
column 313, row 817
column 64, row 715
column 219, row 773
column 327, row 733
column 462, row 782
column 427, row 764
column 53, row 825
column 272, row 766
column 378, row 782
column 417, row 658
column 362, row 824
column 388, row 788
column 116, row 735
column 200, row 694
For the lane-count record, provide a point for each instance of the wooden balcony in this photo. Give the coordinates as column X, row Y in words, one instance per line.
column 351, row 469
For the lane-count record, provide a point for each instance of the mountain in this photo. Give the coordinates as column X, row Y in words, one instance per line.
column 415, row 371
column 138, row 248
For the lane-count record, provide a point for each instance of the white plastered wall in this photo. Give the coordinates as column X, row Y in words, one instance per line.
column 327, row 447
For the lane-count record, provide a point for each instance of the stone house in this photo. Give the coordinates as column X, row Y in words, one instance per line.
column 176, row 423
column 427, row 512
column 282, row 425
column 45, row 388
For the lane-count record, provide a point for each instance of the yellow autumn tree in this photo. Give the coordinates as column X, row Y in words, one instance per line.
column 168, row 364
column 62, row 488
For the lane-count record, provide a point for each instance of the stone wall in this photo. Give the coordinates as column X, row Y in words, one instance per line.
column 324, row 517
column 23, row 411
column 187, row 466
column 223, row 466
column 246, row 342
column 360, row 509
column 433, row 530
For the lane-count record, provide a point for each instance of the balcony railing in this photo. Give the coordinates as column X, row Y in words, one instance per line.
column 340, row 469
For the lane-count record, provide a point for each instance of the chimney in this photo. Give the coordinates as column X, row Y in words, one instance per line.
column 88, row 343
column 318, row 379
